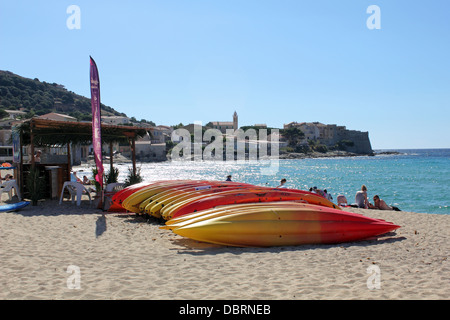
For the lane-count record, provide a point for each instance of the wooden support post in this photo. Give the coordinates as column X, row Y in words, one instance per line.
column 133, row 149
column 32, row 143
column 132, row 136
column 111, row 167
column 69, row 164
column 20, row 169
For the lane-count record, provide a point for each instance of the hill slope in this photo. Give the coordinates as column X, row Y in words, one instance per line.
column 36, row 97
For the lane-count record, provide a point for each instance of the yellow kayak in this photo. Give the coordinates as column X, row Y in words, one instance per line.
column 295, row 224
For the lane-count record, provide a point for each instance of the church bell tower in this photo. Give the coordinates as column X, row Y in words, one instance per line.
column 235, row 121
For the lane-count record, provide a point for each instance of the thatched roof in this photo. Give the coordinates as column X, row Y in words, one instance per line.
column 51, row 133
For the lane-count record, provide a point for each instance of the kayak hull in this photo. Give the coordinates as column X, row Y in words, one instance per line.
column 13, row 206
column 295, row 224
column 248, row 196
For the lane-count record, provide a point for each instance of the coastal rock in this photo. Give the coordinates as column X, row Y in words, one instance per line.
column 329, row 154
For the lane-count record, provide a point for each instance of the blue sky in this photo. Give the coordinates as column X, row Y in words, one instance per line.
column 274, row 62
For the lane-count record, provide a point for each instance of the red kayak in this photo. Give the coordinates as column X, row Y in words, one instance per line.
column 168, row 185
column 277, row 224
column 124, row 193
column 249, row 196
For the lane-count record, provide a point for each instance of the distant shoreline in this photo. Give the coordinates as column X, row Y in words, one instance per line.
column 283, row 156
column 314, row 155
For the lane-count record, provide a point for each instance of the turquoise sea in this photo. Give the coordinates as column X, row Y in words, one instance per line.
column 415, row 180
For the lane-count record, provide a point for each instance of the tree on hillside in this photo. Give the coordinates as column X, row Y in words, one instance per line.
column 293, row 136
column 3, row 114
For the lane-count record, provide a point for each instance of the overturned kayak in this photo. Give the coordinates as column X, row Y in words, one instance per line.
column 13, row 206
column 277, row 224
column 168, row 190
column 249, row 195
column 172, row 198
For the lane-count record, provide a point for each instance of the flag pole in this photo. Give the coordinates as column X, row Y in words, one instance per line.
column 96, row 124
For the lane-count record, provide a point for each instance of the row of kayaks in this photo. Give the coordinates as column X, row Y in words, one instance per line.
column 240, row 214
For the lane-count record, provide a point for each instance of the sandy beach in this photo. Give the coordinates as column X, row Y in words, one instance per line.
column 61, row 252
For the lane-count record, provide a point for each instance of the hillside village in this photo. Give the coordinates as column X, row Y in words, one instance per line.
column 156, row 144
column 22, row 98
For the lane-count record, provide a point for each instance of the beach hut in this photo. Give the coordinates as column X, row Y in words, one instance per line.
column 50, row 133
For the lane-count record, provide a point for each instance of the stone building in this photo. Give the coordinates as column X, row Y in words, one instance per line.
column 224, row 125
column 332, row 134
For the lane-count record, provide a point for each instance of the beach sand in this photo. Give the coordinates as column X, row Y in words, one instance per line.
column 119, row 256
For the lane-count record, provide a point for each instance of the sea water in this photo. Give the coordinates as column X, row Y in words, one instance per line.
column 413, row 180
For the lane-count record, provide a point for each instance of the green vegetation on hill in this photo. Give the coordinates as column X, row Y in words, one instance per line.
column 38, row 98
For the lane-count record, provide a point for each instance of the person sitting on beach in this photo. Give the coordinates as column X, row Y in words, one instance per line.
column 342, row 201
column 382, row 205
column 7, row 177
column 75, row 178
column 86, row 180
column 37, row 157
column 282, row 182
column 228, row 177
column 319, row 192
column 327, row 195
column 361, row 198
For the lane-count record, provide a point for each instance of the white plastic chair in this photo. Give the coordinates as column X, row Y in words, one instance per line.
column 115, row 186
column 110, row 189
column 7, row 186
column 76, row 190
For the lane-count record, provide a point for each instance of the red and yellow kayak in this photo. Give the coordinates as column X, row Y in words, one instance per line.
column 239, row 214
column 248, row 195
column 277, row 224
column 132, row 197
